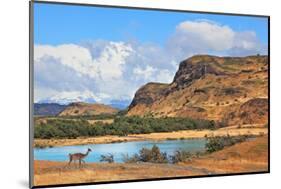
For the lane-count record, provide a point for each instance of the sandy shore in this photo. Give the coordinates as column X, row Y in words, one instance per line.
column 187, row 134
column 250, row 156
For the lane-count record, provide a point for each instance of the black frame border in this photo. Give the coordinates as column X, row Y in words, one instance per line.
column 31, row 92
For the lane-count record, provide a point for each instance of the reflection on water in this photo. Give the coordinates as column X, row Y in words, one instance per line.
column 117, row 149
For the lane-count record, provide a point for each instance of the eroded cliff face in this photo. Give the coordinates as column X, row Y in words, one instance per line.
column 207, row 87
column 148, row 94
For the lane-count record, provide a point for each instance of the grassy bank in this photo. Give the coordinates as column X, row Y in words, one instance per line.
column 176, row 135
column 249, row 156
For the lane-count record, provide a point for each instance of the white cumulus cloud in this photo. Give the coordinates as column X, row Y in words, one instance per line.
column 207, row 37
column 66, row 73
column 103, row 71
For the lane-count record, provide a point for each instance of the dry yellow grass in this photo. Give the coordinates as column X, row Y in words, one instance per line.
column 250, row 156
column 232, row 131
column 243, row 157
column 47, row 172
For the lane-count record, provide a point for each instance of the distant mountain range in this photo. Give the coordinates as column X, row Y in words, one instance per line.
column 55, row 106
column 48, row 109
column 72, row 109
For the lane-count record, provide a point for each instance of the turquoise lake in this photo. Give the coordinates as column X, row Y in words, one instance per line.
column 117, row 149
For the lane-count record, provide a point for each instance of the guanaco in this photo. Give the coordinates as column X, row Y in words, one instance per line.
column 78, row 156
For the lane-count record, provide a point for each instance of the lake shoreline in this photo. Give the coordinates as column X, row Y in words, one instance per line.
column 240, row 158
column 176, row 135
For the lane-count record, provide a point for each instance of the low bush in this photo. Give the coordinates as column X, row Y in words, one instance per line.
column 180, row 156
column 107, row 158
column 154, row 155
column 219, row 142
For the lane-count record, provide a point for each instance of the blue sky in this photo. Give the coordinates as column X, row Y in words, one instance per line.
column 55, row 24
column 104, row 55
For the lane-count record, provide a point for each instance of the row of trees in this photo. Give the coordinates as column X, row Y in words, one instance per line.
column 122, row 126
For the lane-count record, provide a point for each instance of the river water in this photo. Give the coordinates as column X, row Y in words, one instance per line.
column 118, row 149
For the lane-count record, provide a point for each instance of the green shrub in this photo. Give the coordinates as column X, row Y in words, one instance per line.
column 107, row 158
column 152, row 155
column 214, row 144
column 219, row 142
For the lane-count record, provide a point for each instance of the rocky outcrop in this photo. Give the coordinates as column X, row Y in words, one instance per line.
column 207, row 87
column 189, row 71
column 148, row 94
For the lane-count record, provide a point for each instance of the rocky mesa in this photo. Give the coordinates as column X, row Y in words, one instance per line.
column 233, row 90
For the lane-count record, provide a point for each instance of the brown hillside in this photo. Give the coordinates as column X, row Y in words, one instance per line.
column 209, row 87
column 81, row 108
column 253, row 111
